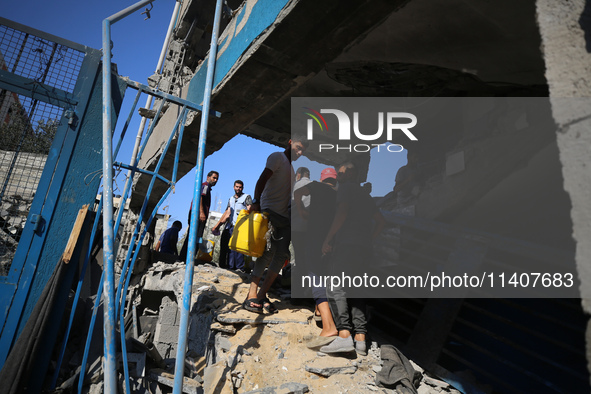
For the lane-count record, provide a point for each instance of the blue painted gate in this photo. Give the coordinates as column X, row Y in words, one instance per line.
column 46, row 86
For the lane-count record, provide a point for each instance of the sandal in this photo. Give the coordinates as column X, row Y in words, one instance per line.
column 268, row 306
column 250, row 305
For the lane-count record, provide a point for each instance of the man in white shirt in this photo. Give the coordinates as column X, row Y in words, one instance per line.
column 273, row 194
column 239, row 201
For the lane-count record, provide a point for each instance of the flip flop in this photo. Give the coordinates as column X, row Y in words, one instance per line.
column 249, row 305
column 268, row 306
column 319, row 341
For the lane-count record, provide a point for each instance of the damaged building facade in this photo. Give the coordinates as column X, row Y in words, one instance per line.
column 521, row 190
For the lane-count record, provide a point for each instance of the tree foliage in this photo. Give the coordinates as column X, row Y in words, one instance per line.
column 33, row 137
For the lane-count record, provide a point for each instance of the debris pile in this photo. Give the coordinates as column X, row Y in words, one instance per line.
column 231, row 350
column 18, row 183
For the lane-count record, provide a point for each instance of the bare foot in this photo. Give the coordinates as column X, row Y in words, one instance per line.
column 328, row 333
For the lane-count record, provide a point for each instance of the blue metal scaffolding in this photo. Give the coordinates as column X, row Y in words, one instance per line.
column 115, row 294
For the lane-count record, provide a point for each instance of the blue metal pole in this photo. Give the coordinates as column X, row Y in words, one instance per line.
column 110, row 366
column 173, row 99
column 187, row 289
column 118, row 164
column 124, row 130
column 178, row 148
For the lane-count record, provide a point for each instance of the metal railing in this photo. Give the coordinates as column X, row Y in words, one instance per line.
column 114, row 295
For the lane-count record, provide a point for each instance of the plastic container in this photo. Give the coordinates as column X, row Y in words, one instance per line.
column 205, row 250
column 248, row 237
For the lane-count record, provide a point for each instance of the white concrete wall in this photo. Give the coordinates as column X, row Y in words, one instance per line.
column 567, row 55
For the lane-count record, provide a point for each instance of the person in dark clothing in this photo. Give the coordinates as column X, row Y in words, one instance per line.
column 356, row 224
column 204, row 203
column 299, row 222
column 169, row 239
column 319, row 214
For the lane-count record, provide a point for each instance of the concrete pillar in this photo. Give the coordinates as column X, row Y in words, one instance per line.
column 565, row 28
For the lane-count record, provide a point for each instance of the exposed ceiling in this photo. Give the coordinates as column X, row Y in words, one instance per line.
column 369, row 48
column 429, row 48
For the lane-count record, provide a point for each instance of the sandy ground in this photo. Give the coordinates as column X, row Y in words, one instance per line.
column 269, row 350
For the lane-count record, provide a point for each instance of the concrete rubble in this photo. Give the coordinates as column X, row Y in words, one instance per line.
column 18, row 193
column 231, row 350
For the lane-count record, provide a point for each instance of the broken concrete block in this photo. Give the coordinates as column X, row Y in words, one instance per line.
column 163, row 281
column 169, row 312
column 244, row 316
column 190, row 386
column 426, row 389
column 165, row 350
column 163, row 267
column 293, row 388
column 286, row 388
column 223, row 343
column 199, row 332
column 266, row 390
column 166, row 334
column 328, row 366
column 225, row 328
column 97, row 388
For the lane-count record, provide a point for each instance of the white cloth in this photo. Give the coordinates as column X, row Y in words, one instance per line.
column 297, row 222
column 277, row 193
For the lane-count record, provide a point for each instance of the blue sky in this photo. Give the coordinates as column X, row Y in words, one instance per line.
column 136, row 47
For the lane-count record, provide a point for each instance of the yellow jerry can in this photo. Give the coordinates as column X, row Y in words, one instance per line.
column 248, row 237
